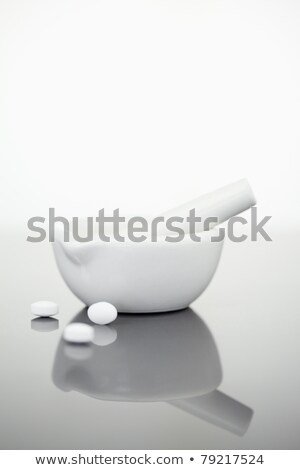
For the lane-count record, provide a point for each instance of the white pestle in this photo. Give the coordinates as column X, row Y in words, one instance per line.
column 222, row 204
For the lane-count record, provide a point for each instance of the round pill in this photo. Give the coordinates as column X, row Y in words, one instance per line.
column 44, row 308
column 102, row 313
column 78, row 333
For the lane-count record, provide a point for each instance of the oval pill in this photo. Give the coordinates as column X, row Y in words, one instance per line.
column 44, row 308
column 102, row 313
column 78, row 333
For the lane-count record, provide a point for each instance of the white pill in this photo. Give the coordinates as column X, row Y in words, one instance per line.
column 44, row 308
column 102, row 313
column 79, row 333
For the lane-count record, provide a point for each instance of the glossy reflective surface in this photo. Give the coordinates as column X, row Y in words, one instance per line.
column 223, row 374
column 154, row 358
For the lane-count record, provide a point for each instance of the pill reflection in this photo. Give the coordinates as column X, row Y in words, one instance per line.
column 78, row 352
column 44, row 324
column 104, row 335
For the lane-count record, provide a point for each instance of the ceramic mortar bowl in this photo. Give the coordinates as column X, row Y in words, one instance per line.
column 139, row 277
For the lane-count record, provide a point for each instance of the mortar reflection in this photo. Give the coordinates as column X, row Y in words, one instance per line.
column 147, row 358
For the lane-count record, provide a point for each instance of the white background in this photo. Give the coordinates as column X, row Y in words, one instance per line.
column 145, row 104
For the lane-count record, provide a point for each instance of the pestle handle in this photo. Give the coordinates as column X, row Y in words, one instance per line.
column 223, row 203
